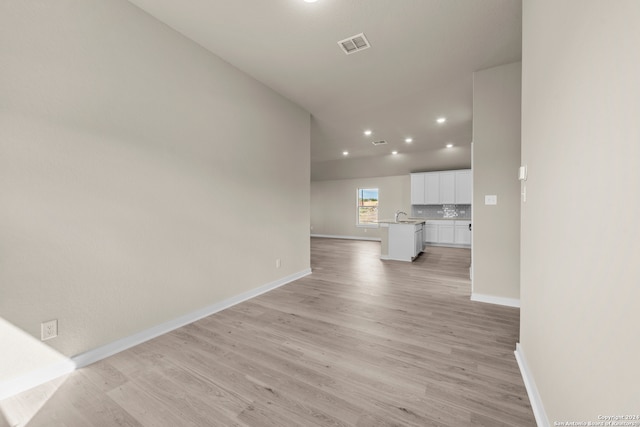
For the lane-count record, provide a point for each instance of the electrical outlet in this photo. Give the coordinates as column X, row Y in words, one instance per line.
column 49, row 329
column 278, row 263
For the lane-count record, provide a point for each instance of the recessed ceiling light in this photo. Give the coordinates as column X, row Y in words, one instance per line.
column 441, row 120
column 310, row 1
column 345, row 153
column 408, row 140
column 367, row 132
column 394, row 152
column 449, row 145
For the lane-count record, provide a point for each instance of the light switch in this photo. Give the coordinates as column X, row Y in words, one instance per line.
column 522, row 173
column 491, row 200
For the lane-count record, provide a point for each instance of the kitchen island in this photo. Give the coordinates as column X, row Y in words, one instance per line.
column 401, row 240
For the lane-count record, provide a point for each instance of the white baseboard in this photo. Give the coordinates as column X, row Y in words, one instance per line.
column 330, row 236
column 532, row 390
column 41, row 376
column 509, row 302
column 100, row 353
column 447, row 245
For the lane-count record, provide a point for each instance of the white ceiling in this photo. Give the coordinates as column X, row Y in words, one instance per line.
column 419, row 67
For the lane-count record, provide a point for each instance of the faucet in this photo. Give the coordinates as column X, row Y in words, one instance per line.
column 398, row 213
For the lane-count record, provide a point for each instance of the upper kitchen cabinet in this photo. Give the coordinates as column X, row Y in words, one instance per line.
column 447, row 188
column 425, row 188
column 463, row 187
column 417, row 189
column 432, row 188
column 441, row 188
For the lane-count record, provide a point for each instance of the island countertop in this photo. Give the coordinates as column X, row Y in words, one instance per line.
column 412, row 221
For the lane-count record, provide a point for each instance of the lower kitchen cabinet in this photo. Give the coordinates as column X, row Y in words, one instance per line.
column 462, row 232
column 430, row 232
column 448, row 232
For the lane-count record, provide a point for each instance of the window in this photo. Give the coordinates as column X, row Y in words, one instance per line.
column 367, row 207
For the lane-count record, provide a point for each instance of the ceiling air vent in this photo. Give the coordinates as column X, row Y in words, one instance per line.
column 354, row 44
column 382, row 142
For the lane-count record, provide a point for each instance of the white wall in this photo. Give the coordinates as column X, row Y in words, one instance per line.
column 334, row 209
column 581, row 142
column 496, row 158
column 141, row 177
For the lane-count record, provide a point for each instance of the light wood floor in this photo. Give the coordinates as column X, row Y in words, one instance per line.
column 360, row 342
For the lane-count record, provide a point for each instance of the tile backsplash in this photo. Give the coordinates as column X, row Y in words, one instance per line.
column 441, row 211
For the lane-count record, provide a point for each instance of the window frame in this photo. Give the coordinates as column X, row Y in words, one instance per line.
column 367, row 225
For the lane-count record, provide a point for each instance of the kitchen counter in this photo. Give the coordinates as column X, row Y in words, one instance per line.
column 409, row 221
column 441, row 219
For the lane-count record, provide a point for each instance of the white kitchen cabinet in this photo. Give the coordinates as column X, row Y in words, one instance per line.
column 462, row 232
column 446, row 232
column 441, row 188
column 432, row 188
column 431, row 232
column 463, row 187
column 447, row 187
column 417, row 188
